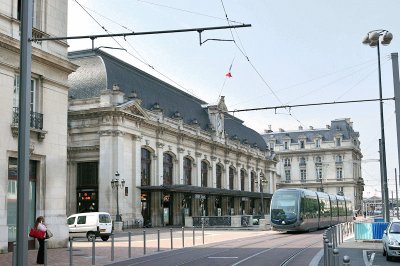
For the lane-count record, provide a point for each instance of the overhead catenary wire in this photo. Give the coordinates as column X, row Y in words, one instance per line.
column 93, row 37
column 242, row 50
column 304, row 105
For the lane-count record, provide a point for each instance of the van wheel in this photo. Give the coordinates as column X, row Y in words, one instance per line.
column 384, row 252
column 388, row 258
column 90, row 236
column 105, row 238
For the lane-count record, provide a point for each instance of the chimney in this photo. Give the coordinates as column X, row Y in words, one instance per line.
column 281, row 130
column 311, row 127
column 328, row 126
column 300, row 128
column 269, row 130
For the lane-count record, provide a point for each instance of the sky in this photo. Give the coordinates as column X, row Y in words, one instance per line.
column 295, row 52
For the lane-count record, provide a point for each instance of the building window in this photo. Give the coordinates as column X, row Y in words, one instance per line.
column 34, row 93
column 287, row 176
column 286, row 162
column 317, row 143
column 302, row 161
column 319, row 173
column 338, row 142
column 145, row 167
column 37, row 12
column 219, row 175
column 339, row 159
column 231, row 177
column 285, row 145
column 252, row 180
column 168, row 167
column 87, row 174
column 339, row 173
column 303, row 175
column 339, row 191
column 204, row 174
column 187, row 171
column 242, row 177
column 271, row 146
column 302, row 144
column 318, row 160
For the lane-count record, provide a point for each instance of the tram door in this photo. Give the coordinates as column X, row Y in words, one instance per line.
column 87, row 200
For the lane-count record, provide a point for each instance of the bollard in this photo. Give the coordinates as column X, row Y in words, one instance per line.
column 70, row 251
column 346, row 260
column 193, row 237
column 170, row 230
column 144, row 242
column 45, row 252
column 93, row 251
column 14, row 257
column 330, row 254
column 158, row 240
column 336, row 257
column 130, row 244
column 112, row 247
column 202, row 228
column 326, row 241
column 183, row 237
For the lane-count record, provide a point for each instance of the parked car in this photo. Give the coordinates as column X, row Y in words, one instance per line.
column 90, row 225
column 391, row 240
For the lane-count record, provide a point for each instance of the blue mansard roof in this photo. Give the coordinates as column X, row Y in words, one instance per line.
column 99, row 71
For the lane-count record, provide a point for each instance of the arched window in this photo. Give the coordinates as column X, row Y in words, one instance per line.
column 242, row 177
column 252, row 177
column 145, row 167
column 231, row 177
column 168, row 167
column 187, row 171
column 219, row 175
column 204, row 173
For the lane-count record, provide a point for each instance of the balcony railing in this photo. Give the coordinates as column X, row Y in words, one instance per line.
column 36, row 119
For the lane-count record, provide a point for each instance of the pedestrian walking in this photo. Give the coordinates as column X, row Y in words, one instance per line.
column 40, row 226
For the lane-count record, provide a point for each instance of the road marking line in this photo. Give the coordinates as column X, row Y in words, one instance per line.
column 222, row 257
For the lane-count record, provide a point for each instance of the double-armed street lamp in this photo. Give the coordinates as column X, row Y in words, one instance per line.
column 116, row 183
column 372, row 39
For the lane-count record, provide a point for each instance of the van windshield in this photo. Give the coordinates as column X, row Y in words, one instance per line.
column 104, row 218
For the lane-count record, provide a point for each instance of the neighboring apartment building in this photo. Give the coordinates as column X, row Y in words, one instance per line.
column 177, row 155
column 49, row 105
column 327, row 159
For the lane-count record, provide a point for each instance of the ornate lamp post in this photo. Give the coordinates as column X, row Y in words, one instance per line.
column 263, row 180
column 372, row 39
column 116, row 183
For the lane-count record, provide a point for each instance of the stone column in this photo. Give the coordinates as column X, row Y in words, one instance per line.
column 225, row 178
column 158, row 175
column 197, row 177
column 179, row 177
column 136, row 180
column 213, row 174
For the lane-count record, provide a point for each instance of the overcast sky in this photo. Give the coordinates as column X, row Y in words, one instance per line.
column 296, row 52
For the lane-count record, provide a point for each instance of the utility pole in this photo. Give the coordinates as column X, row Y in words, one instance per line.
column 396, row 87
column 397, row 195
column 24, row 133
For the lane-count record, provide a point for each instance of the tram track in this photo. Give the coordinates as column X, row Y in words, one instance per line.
column 188, row 251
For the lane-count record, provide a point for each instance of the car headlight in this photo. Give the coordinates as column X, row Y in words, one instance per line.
column 393, row 242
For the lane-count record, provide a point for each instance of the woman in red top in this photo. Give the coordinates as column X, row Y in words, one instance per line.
column 39, row 224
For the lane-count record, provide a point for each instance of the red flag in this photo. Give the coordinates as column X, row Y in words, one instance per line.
column 229, row 74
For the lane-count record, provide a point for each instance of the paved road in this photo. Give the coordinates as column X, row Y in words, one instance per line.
column 264, row 249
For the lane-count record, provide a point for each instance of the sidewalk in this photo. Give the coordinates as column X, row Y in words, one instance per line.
column 82, row 249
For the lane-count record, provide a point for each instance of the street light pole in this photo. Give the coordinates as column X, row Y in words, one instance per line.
column 372, row 39
column 115, row 183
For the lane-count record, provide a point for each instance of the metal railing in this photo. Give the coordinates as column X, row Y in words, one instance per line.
column 332, row 238
column 36, row 119
column 130, row 241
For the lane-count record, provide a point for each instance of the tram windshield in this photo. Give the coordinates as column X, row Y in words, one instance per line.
column 284, row 203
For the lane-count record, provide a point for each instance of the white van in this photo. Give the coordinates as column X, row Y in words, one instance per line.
column 90, row 225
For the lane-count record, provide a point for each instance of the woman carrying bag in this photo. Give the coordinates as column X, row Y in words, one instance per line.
column 40, row 226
